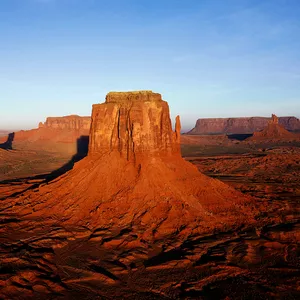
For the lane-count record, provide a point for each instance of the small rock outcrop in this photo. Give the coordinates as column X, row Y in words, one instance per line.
column 274, row 119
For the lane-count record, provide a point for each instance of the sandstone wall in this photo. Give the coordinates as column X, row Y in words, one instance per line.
column 240, row 125
column 72, row 122
column 134, row 177
column 133, row 123
column 273, row 131
column 73, row 130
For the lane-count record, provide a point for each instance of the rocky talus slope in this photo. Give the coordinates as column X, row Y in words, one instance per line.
column 134, row 176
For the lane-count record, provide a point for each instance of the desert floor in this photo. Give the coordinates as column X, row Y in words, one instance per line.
column 42, row 259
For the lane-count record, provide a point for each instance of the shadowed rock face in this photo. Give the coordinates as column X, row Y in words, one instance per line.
column 133, row 123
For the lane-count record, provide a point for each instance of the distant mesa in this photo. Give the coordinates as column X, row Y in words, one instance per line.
column 240, row 125
column 72, row 122
column 65, row 129
column 134, row 176
column 273, row 131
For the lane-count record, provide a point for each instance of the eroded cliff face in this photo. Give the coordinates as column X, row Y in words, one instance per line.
column 152, row 227
column 240, row 125
column 67, row 130
column 72, row 122
column 273, row 131
column 134, row 176
column 133, row 123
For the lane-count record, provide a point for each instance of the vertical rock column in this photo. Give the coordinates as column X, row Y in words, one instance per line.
column 134, row 124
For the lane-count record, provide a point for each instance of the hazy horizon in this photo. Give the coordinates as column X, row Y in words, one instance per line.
column 184, row 128
column 235, row 58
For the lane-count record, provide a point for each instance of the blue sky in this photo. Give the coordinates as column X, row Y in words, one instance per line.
column 208, row 58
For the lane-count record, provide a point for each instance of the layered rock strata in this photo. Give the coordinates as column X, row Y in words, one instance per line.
column 72, row 122
column 134, row 177
column 67, row 129
column 273, row 131
column 135, row 123
column 240, row 125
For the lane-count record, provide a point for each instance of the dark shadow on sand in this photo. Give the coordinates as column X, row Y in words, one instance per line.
column 82, row 150
column 9, row 142
column 239, row 137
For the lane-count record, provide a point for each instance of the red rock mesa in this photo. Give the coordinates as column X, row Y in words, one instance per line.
column 72, row 122
column 65, row 129
column 134, row 177
column 240, row 125
column 273, row 131
column 133, row 124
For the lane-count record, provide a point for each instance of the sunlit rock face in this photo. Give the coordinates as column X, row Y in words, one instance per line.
column 240, row 125
column 134, row 177
column 67, row 130
column 67, row 122
column 273, row 130
column 133, row 123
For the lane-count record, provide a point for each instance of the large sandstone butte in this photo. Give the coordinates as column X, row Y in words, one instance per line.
column 134, row 177
column 134, row 124
column 240, row 125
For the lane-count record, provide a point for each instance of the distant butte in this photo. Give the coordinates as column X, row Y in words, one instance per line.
column 134, row 177
column 241, row 125
column 273, row 131
column 72, row 122
column 65, row 129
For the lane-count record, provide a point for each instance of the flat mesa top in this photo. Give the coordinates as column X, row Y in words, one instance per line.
column 132, row 96
column 68, row 117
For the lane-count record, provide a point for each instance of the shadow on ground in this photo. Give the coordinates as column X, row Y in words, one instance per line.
column 82, row 150
column 8, row 144
column 35, row 181
column 239, row 137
